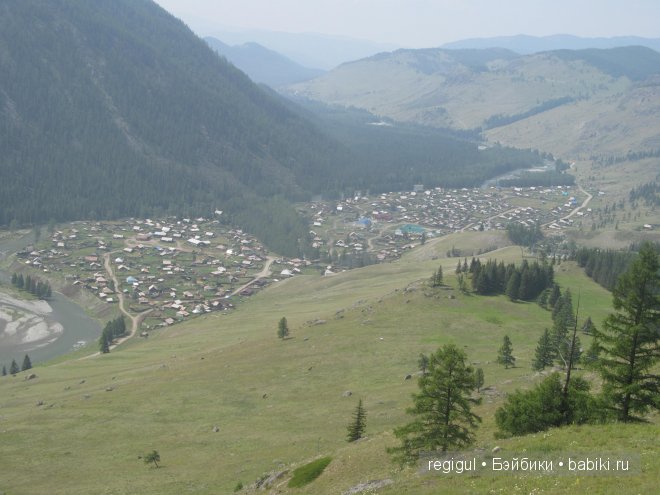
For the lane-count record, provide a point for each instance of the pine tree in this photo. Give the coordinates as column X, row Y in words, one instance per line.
column 13, row 367
column 438, row 277
column 479, row 379
column 554, row 296
column 458, row 268
column 283, row 328
column 588, row 326
column 543, row 356
column 629, row 339
column 423, row 363
column 442, row 408
column 359, row 423
column 27, row 364
column 513, row 286
column 505, row 354
column 4, row 371
column 104, row 341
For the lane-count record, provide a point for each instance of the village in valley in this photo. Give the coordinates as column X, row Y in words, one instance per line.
column 172, row 269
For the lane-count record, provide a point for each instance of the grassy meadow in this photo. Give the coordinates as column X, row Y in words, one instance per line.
column 81, row 425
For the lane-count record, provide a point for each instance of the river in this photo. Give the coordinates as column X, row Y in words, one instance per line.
column 43, row 331
column 546, row 167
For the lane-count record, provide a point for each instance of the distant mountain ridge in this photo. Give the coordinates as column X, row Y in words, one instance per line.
column 612, row 95
column 525, row 44
column 263, row 65
column 308, row 49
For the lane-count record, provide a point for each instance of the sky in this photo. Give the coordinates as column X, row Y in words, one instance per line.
column 422, row 23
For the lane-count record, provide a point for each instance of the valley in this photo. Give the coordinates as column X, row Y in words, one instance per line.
column 223, row 270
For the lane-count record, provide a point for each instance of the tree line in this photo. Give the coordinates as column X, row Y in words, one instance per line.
column 33, row 285
column 524, row 235
column 113, row 329
column 524, row 283
column 13, row 367
column 604, row 266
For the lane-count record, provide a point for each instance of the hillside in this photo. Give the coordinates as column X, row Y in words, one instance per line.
column 263, row 65
column 519, row 97
column 278, row 404
column 115, row 109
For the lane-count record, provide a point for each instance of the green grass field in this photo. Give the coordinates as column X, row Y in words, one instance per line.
column 280, row 404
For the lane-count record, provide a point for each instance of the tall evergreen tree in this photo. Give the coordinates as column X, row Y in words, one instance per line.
column 505, row 354
column 27, row 364
column 359, row 423
column 513, row 286
column 554, row 296
column 629, row 339
column 442, row 408
column 543, row 356
column 479, row 379
column 423, row 363
column 282, row 328
column 104, row 341
column 4, row 370
column 13, row 367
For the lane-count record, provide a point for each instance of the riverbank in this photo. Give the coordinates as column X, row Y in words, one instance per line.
column 42, row 329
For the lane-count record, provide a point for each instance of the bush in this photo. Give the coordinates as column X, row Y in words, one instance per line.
column 309, row 472
column 541, row 408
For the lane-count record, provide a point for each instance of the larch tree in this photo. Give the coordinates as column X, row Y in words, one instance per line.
column 442, row 409
column 505, row 354
column 282, row 328
column 358, row 424
column 629, row 339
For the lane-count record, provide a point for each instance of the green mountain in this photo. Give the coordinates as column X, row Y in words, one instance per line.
column 263, row 65
column 116, row 108
column 586, row 101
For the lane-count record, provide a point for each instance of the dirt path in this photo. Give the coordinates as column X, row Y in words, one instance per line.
column 583, row 205
column 135, row 320
column 263, row 273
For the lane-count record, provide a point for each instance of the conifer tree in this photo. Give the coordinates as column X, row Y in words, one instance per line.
column 13, row 367
column 505, row 354
column 543, row 356
column 513, row 286
column 27, row 364
column 442, row 408
column 282, row 328
column 479, row 379
column 359, row 423
column 554, row 296
column 423, row 363
column 4, row 370
column 629, row 339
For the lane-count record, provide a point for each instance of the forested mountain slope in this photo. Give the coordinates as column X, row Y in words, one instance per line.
column 115, row 108
column 263, row 65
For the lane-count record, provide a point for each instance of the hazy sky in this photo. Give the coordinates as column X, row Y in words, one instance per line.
column 422, row 23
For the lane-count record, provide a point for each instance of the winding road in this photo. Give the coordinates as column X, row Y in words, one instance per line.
column 262, row 274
